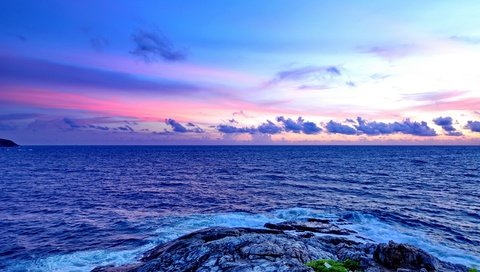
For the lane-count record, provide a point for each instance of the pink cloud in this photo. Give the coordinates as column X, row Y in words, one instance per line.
column 467, row 104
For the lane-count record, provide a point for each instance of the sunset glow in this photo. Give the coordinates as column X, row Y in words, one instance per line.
column 275, row 72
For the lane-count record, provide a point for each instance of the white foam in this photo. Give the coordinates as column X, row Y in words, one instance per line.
column 372, row 228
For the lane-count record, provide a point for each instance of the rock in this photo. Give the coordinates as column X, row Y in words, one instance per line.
column 393, row 255
column 234, row 249
column 7, row 143
column 405, row 257
column 286, row 246
column 318, row 226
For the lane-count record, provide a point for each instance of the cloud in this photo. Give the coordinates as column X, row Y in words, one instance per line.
column 391, row 52
column 269, row 128
column 98, row 43
column 177, row 127
column 413, row 128
column 16, row 69
column 406, row 127
column 19, row 37
column 265, row 128
column 152, row 45
column 434, row 96
column 305, row 73
column 228, row 129
column 463, row 104
column 379, row 128
column 313, row 78
column 17, row 116
column 5, row 126
column 466, row 39
column 99, row 127
column 72, row 123
column 338, row 128
column 299, row 125
column 290, row 125
column 447, row 124
column 473, row 126
column 125, row 128
column 240, row 113
column 373, row 128
column 311, row 128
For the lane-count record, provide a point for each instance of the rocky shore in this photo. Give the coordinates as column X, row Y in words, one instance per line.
column 285, row 246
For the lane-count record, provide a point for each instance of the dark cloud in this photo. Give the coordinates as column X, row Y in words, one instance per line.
column 373, row 128
column 232, row 121
column 82, row 124
column 299, row 125
column 264, row 128
column 311, row 128
column 177, row 127
column 72, row 123
column 153, row 46
column 454, row 133
column 228, row 129
column 447, row 124
column 334, row 127
column 99, row 43
column 269, row 128
column 126, row 128
column 405, row 127
column 473, row 126
column 413, row 128
column 291, row 125
column 99, row 127
column 17, row 69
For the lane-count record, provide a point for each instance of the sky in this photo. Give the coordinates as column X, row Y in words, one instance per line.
column 240, row 72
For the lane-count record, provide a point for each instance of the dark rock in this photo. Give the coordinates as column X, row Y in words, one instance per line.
column 311, row 226
column 393, row 255
column 7, row 143
column 319, row 220
column 407, row 257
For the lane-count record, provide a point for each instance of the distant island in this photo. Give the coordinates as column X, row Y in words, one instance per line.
column 7, row 143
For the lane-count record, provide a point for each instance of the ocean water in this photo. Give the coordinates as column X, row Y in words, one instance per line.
column 71, row 208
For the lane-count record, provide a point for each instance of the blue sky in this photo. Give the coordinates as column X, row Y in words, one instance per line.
column 347, row 72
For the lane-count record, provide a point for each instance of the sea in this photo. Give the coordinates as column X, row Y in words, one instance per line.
column 72, row 208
